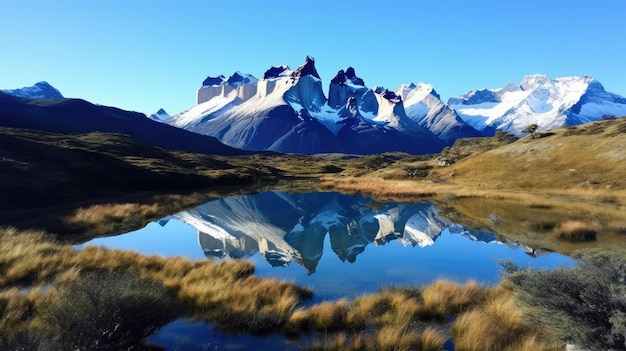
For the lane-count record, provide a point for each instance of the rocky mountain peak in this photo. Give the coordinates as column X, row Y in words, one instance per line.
column 346, row 76
column 238, row 79
column 351, row 75
column 276, row 72
column 388, row 95
column 307, row 69
column 213, row 81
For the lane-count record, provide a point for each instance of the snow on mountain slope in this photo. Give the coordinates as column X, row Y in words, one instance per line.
column 423, row 105
column 244, row 86
column 41, row 90
column 275, row 118
column 216, row 95
column 289, row 113
column 549, row 103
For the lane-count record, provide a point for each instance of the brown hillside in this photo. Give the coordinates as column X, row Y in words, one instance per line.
column 590, row 156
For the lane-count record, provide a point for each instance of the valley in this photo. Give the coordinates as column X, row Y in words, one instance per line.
column 528, row 200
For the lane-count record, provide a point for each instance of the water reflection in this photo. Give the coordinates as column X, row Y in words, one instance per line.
column 287, row 228
column 352, row 244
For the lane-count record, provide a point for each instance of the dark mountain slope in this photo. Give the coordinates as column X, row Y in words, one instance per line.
column 79, row 116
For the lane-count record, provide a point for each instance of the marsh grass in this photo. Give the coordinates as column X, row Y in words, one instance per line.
column 108, row 218
column 83, row 299
column 225, row 293
column 394, row 319
column 444, row 298
column 497, row 325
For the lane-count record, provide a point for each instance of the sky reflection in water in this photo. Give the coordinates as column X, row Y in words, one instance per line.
column 310, row 233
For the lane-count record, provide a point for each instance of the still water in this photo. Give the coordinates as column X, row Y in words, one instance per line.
column 339, row 245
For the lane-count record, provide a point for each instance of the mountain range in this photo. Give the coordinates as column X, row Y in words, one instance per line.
column 286, row 110
column 548, row 103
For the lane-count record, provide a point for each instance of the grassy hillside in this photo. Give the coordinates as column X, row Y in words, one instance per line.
column 584, row 159
column 590, row 156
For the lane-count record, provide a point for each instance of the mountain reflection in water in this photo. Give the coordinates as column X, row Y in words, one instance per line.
column 286, row 227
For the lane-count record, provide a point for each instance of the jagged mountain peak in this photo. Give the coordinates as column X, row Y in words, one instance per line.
column 388, row 94
column 287, row 111
column 347, row 77
column 306, row 69
column 475, row 97
column 276, row 72
column 213, row 81
column 238, row 79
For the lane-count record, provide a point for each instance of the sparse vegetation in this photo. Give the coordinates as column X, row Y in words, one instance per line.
column 584, row 305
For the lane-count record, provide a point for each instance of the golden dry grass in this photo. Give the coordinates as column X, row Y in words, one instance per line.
column 443, row 298
column 497, row 325
column 227, row 293
column 431, row 340
column 392, row 319
column 233, row 296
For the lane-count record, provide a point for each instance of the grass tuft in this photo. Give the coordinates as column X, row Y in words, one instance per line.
column 443, row 298
column 496, row 326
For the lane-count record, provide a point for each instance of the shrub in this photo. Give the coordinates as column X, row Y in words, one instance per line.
column 584, row 305
column 106, row 310
column 505, row 137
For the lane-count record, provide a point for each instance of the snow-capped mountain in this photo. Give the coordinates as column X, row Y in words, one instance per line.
column 549, row 103
column 286, row 110
column 41, row 90
column 287, row 228
column 160, row 115
column 423, row 105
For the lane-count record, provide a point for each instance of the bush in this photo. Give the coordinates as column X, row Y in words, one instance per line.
column 109, row 310
column 505, row 137
column 584, row 305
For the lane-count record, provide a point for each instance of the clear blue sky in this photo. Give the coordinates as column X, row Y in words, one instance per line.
column 146, row 54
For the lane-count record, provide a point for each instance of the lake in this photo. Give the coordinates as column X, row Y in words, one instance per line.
column 339, row 245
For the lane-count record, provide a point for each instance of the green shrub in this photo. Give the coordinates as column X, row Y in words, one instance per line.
column 584, row 305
